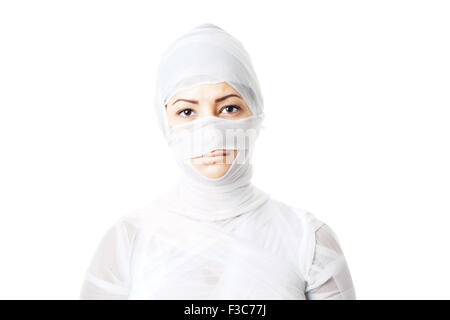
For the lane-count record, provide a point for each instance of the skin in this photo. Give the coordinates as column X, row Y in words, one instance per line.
column 202, row 102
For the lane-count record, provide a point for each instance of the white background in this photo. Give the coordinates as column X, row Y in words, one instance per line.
column 357, row 101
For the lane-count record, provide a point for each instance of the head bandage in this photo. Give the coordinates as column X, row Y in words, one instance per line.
column 205, row 55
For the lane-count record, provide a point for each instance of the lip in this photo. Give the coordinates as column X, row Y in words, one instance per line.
column 216, row 153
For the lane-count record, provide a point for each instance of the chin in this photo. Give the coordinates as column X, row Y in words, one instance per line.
column 214, row 171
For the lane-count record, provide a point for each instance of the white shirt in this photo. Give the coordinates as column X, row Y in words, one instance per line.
column 274, row 252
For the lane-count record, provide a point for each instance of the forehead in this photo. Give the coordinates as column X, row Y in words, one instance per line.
column 204, row 91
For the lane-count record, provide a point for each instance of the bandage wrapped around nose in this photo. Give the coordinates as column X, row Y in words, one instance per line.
column 206, row 134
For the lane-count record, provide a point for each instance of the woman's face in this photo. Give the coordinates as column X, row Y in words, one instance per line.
column 217, row 100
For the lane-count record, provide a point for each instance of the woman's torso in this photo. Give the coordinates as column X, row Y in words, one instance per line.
column 259, row 255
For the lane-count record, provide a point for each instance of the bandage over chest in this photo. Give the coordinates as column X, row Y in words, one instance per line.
column 207, row 134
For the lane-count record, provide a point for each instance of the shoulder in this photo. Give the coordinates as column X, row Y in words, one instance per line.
column 149, row 216
column 129, row 224
column 327, row 237
column 297, row 217
column 305, row 223
column 305, row 228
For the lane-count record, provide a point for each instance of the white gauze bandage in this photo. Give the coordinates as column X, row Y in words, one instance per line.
column 206, row 55
column 206, row 134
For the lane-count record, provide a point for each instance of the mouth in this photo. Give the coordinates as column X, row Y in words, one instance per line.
column 216, row 153
column 214, row 157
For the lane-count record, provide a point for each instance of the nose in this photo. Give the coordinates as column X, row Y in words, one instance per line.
column 208, row 110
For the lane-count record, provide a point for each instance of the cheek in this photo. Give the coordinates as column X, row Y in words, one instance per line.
column 172, row 119
column 233, row 155
column 245, row 112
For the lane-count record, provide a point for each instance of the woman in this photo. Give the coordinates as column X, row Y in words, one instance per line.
column 214, row 235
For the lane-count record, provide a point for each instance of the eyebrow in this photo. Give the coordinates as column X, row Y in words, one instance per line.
column 217, row 100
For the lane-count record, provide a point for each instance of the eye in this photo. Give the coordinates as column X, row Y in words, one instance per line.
column 185, row 113
column 230, row 109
